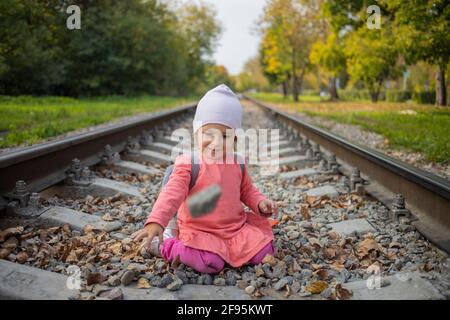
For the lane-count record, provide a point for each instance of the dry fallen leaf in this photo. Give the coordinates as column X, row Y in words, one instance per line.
column 93, row 278
column 72, row 257
column 316, row 287
column 322, row 273
column 4, row 253
column 342, row 293
column 22, row 257
column 305, row 213
column 10, row 232
column 143, row 283
column 270, row 260
column 310, row 199
column 368, row 245
column 116, row 249
column 107, row 217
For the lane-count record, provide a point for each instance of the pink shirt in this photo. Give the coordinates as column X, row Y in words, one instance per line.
column 229, row 231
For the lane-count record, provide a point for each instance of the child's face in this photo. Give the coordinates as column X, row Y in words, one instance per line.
column 215, row 140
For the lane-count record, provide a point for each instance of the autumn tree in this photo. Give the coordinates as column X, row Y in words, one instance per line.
column 289, row 30
column 274, row 59
column 422, row 32
column 372, row 59
column 329, row 56
column 252, row 77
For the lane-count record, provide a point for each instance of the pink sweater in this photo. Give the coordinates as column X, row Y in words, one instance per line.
column 229, row 231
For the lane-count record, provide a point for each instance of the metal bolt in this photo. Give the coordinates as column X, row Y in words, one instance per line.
column 355, row 179
column 316, row 151
column 108, row 156
column 20, row 193
column 75, row 165
column 145, row 139
column 21, row 188
column 35, row 199
column 399, row 208
column 132, row 146
column 345, row 184
column 323, row 165
column 332, row 164
column 85, row 174
column 383, row 213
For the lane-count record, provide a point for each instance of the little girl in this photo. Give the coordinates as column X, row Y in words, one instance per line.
column 228, row 234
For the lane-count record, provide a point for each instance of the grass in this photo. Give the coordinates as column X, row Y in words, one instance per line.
column 278, row 98
column 419, row 128
column 26, row 120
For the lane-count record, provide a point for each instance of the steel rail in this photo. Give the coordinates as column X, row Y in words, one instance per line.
column 427, row 195
column 44, row 165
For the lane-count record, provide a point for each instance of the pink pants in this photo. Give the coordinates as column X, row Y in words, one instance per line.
column 201, row 260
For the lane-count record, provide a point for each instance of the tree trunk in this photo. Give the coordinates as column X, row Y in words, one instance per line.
column 285, row 88
column 441, row 91
column 374, row 94
column 295, row 87
column 332, row 89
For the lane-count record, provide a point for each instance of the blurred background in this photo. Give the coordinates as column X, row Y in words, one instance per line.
column 381, row 65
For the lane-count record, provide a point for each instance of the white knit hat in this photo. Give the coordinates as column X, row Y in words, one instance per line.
column 221, row 106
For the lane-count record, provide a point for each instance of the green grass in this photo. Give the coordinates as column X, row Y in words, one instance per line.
column 28, row 120
column 426, row 130
column 278, row 98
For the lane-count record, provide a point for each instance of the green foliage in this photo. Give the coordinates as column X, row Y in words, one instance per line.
column 371, row 58
column 329, row 55
column 398, row 95
column 124, row 47
column 428, row 97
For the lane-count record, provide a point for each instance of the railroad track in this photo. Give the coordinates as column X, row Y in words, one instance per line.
column 68, row 208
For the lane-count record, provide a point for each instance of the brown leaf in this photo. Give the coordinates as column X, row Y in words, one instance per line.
column 116, row 249
column 368, row 245
column 316, row 287
column 428, row 267
column 4, row 253
column 288, row 291
column 322, row 273
column 330, row 253
column 305, row 213
column 333, row 235
column 270, row 260
column 143, row 283
column 342, row 293
column 22, row 257
column 310, row 199
column 107, row 217
column 176, row 262
column 72, row 257
column 5, row 234
column 94, row 277
column 88, row 229
column 337, row 266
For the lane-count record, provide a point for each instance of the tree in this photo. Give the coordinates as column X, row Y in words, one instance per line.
column 274, row 61
column 200, row 31
column 329, row 56
column 252, row 77
column 372, row 58
column 422, row 32
column 30, row 55
column 291, row 29
column 123, row 47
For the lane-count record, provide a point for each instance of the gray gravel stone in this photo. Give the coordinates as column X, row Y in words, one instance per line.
column 127, row 277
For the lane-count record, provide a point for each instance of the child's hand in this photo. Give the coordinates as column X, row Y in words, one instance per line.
column 150, row 231
column 268, row 207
